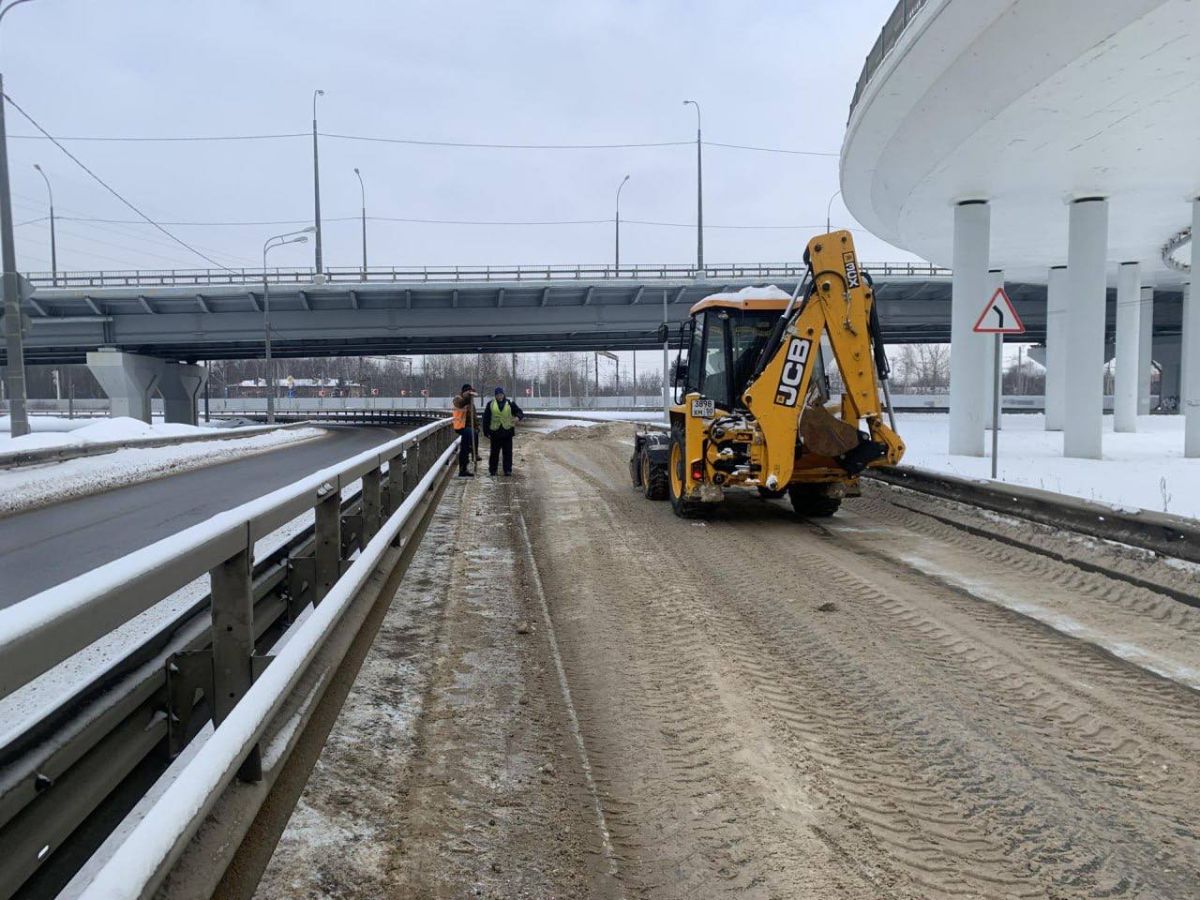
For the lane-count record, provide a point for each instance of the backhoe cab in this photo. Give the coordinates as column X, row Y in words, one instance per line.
column 753, row 408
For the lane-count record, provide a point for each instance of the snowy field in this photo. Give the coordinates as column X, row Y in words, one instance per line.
column 28, row 487
column 1145, row 470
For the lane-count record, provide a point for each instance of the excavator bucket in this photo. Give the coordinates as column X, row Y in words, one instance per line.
column 825, row 434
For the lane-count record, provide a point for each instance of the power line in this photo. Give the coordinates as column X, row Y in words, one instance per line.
column 824, row 153
column 155, row 139
column 419, row 142
column 496, row 146
column 108, row 187
column 478, row 222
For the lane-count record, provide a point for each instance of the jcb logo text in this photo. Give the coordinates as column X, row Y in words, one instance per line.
column 788, row 392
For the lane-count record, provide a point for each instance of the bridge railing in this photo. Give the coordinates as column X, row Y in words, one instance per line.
column 166, row 278
column 889, row 36
column 147, row 701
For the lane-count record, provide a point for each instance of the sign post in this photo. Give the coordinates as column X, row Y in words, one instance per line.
column 999, row 317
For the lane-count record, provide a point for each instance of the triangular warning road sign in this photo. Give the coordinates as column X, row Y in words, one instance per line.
column 999, row 316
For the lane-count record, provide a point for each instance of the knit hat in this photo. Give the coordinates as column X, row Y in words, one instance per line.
column 467, row 387
column 498, row 390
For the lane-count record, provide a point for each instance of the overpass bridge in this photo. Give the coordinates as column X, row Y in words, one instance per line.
column 217, row 314
column 163, row 322
column 194, row 315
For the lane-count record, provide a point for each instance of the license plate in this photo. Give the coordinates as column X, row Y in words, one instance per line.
column 703, row 409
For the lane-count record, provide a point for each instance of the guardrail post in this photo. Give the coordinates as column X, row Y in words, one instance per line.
column 233, row 643
column 328, row 532
column 372, row 503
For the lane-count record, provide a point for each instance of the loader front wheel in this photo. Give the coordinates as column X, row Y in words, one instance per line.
column 814, row 501
column 677, row 478
column 654, row 479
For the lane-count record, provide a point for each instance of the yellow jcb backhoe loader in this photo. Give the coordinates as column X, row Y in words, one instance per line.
column 754, row 411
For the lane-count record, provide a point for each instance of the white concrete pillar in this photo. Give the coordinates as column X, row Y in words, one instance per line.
column 1185, row 352
column 1191, row 345
column 1129, row 323
column 1056, row 350
column 1167, row 353
column 972, row 237
column 180, row 385
column 1145, row 350
column 988, row 355
column 1087, row 279
column 128, row 379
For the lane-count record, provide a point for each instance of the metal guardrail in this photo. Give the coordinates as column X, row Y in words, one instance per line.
column 55, row 773
column 889, row 35
column 449, row 274
column 1160, row 533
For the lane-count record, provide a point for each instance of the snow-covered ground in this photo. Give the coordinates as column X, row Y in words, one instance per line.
column 1146, row 469
column 55, row 431
column 32, row 486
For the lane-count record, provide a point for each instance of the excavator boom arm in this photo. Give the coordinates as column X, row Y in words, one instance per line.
column 839, row 304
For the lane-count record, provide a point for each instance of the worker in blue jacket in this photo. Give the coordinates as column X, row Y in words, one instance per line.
column 500, row 419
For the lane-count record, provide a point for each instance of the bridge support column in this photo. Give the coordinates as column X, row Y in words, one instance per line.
column 1056, row 351
column 1087, row 260
column 1168, row 356
column 1145, row 350
column 972, row 238
column 1129, row 323
column 1191, row 346
column 128, row 379
column 180, row 385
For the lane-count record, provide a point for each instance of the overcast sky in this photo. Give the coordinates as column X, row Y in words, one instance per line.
column 771, row 74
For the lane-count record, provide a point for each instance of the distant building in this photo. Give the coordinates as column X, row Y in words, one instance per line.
column 298, row 387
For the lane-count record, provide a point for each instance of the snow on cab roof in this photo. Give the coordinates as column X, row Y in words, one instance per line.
column 766, row 292
column 768, row 297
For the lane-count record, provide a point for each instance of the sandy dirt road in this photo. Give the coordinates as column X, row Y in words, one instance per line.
column 884, row 704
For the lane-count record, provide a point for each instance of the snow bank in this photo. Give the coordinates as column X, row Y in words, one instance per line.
column 1146, row 470
column 92, row 431
column 45, row 423
column 33, row 486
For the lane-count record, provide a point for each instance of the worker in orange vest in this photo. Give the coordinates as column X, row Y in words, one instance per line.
column 466, row 427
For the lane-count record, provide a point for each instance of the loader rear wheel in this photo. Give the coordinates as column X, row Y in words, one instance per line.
column 654, row 479
column 813, row 501
column 676, row 468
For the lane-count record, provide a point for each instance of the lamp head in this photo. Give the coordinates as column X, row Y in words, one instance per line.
column 36, row 166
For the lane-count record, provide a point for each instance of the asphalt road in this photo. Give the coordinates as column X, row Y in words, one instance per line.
column 45, row 547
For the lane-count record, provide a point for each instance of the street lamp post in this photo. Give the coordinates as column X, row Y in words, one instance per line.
column 617, row 221
column 53, row 244
column 317, row 184
column 293, row 237
column 699, row 193
column 363, row 190
column 828, row 209
column 14, row 339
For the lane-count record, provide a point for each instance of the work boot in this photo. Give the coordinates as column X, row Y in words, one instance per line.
column 466, row 474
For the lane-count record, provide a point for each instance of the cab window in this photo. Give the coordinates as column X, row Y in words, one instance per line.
column 696, row 355
column 716, row 372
